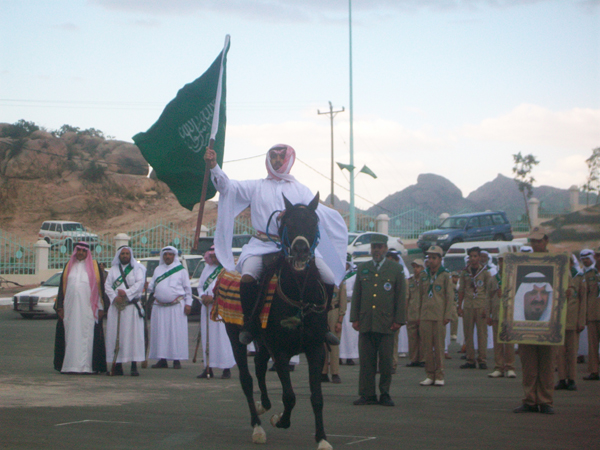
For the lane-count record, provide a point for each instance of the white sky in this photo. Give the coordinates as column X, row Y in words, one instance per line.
column 452, row 87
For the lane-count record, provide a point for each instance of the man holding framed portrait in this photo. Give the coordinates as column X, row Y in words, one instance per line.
column 533, row 314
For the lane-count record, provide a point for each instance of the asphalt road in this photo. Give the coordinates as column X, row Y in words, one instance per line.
column 42, row 409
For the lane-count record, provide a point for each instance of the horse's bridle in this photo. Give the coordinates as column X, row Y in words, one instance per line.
column 285, row 244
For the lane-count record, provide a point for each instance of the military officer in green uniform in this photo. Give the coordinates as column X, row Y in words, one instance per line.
column 378, row 310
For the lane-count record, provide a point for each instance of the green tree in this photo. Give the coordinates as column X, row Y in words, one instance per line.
column 66, row 129
column 522, row 176
column 592, row 183
column 20, row 129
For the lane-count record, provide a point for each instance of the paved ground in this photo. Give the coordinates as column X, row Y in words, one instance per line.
column 41, row 409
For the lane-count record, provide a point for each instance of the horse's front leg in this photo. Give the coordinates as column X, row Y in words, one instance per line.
column 241, row 358
column 261, row 363
column 315, row 356
column 282, row 363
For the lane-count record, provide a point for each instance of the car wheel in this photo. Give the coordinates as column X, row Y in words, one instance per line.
column 26, row 316
column 499, row 237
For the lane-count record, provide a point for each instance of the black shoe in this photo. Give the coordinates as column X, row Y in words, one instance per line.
column 331, row 339
column 413, row 364
column 207, row 373
column 561, row 385
column 350, row 362
column 571, row 385
column 226, row 375
column 483, row 366
column 176, row 364
column 546, row 409
column 324, row 378
column 469, row 366
column 385, row 400
column 366, row 401
column 335, row 379
column 161, row 364
column 592, row 377
column 422, row 364
column 134, row 372
column 524, row 408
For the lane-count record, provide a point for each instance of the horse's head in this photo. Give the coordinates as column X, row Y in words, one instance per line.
column 299, row 232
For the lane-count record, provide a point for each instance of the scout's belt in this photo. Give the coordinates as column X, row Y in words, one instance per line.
column 173, row 303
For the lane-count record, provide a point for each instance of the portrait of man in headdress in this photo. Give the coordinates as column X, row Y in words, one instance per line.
column 533, row 300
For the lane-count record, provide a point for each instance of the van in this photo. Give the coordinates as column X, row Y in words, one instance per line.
column 454, row 260
column 66, row 233
column 482, row 226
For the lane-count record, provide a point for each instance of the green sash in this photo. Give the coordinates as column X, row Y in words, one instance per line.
column 349, row 274
column 168, row 274
column 120, row 280
column 212, row 277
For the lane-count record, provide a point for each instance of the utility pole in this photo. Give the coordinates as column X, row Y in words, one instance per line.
column 352, row 220
column 332, row 114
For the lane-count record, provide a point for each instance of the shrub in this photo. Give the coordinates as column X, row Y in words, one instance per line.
column 94, row 173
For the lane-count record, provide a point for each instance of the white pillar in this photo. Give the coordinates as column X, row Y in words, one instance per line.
column 42, row 249
column 382, row 223
column 574, row 198
column 203, row 231
column 121, row 239
column 534, row 205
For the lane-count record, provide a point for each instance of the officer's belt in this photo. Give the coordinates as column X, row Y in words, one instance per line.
column 173, row 303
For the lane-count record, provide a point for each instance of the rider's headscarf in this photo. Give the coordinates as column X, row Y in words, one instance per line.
column 89, row 268
column 283, row 173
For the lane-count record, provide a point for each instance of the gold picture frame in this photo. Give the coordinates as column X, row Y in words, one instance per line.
column 533, row 304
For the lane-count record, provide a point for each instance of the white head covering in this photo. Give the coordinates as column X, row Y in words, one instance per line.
column 492, row 268
column 532, row 279
column 526, row 249
column 284, row 171
column 169, row 249
column 587, row 253
column 575, row 263
column 134, row 263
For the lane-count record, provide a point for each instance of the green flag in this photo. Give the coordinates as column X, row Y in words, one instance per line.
column 368, row 171
column 348, row 167
column 175, row 145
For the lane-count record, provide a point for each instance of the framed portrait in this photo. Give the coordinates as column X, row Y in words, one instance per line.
column 533, row 304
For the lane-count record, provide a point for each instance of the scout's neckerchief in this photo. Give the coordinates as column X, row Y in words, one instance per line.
column 212, row 277
column 470, row 273
column 442, row 269
column 168, row 274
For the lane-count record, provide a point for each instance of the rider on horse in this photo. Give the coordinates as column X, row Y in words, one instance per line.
column 265, row 196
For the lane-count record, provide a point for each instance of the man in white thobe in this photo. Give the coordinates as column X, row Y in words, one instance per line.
column 349, row 339
column 265, row 197
column 124, row 286
column 220, row 353
column 172, row 304
column 79, row 342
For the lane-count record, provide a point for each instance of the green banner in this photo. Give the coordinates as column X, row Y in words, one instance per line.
column 175, row 145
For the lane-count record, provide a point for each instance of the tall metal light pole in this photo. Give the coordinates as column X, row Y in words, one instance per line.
column 351, row 169
column 332, row 114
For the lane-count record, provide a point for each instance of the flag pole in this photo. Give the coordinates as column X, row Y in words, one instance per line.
column 213, row 134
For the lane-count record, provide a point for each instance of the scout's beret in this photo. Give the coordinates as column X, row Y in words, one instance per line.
column 418, row 262
column 435, row 249
column 379, row 239
column 537, row 233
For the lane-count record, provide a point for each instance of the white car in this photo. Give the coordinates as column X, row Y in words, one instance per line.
column 359, row 244
column 38, row 302
column 66, row 233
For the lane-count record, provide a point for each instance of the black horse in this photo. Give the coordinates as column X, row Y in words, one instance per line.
column 297, row 322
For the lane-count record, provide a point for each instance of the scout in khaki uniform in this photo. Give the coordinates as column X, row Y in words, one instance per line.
column 415, row 346
column 566, row 355
column 335, row 318
column 378, row 310
column 474, row 290
column 592, row 298
column 436, row 297
column 536, row 360
column 504, row 354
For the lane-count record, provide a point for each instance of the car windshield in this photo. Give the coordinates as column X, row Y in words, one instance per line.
column 151, row 265
column 454, row 222
column 54, row 280
column 73, row 227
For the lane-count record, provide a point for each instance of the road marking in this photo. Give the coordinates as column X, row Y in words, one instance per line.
column 89, row 420
column 360, row 438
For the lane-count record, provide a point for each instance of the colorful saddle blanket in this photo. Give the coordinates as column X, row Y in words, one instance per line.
column 228, row 307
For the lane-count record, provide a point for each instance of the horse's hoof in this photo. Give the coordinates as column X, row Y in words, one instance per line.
column 274, row 419
column 258, row 435
column 260, row 409
column 324, row 445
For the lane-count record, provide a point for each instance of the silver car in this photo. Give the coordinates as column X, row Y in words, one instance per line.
column 38, row 302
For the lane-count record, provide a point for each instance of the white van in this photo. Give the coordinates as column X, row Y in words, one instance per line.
column 454, row 260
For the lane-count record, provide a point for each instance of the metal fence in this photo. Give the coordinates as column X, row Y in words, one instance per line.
column 16, row 256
